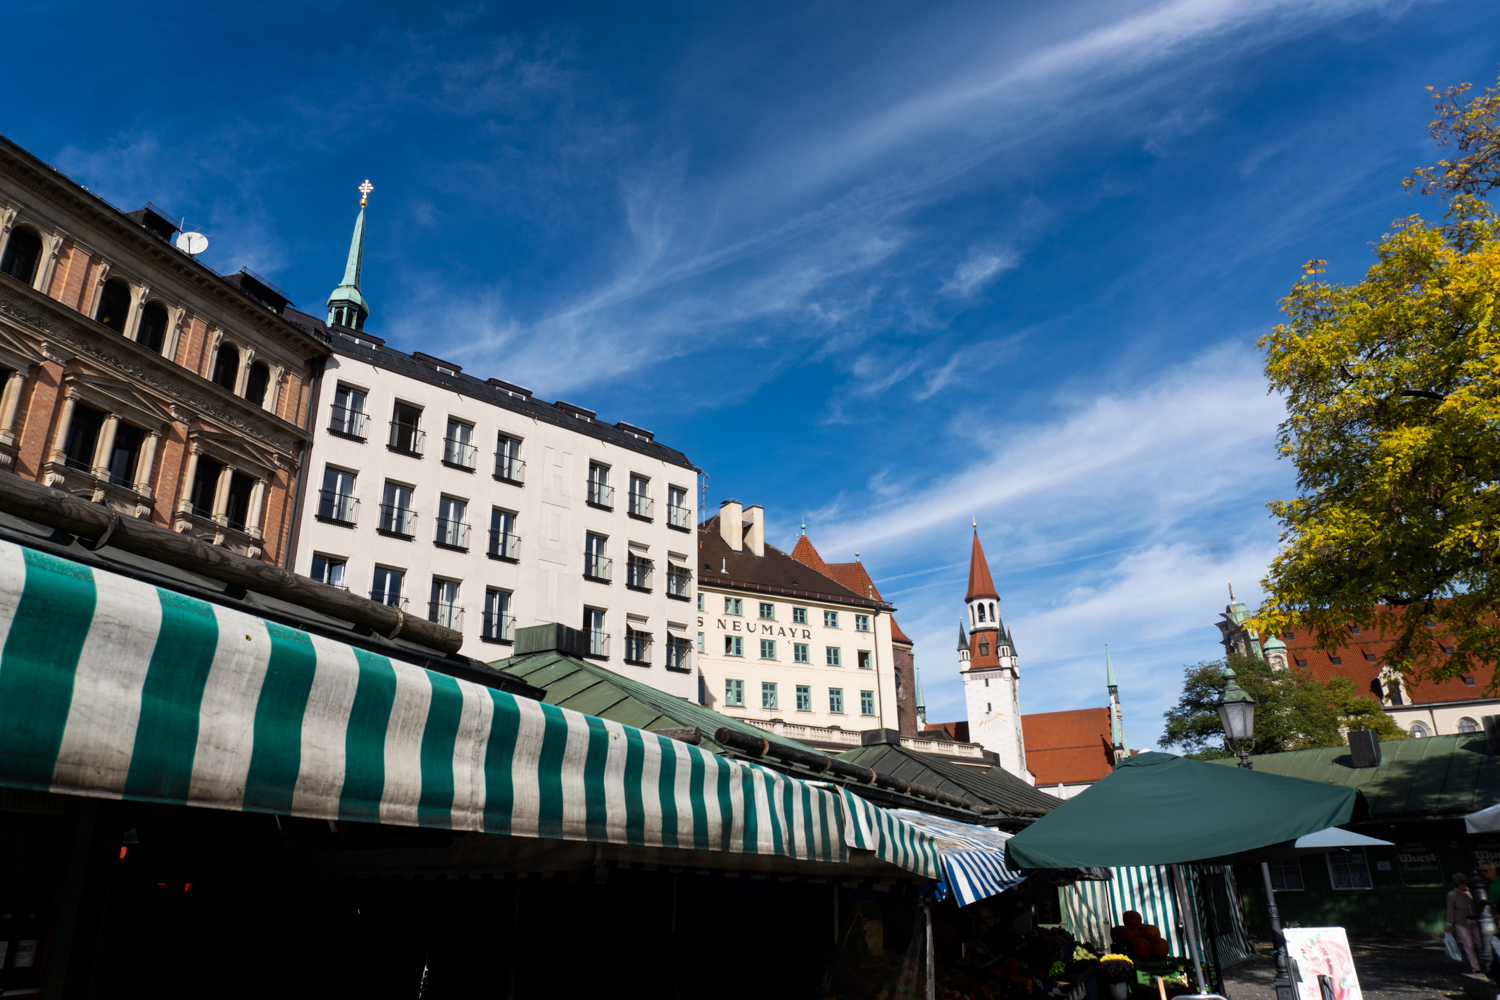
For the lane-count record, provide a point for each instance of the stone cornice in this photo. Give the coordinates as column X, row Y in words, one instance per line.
column 63, row 194
column 62, row 327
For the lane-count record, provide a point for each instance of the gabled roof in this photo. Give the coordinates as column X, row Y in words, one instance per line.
column 854, row 576
column 1436, row 776
column 775, row 572
column 991, row 786
column 1068, row 748
column 980, row 584
column 804, row 553
column 1362, row 659
column 896, row 634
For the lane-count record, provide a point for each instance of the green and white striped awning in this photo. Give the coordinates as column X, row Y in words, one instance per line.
column 115, row 688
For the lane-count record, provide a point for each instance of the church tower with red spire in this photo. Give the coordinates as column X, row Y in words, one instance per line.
column 991, row 672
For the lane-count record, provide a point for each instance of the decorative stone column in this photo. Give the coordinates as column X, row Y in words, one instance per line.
column 247, row 357
column 255, row 516
column 60, row 436
column 143, row 483
column 105, row 445
column 185, row 501
column 7, row 222
column 10, row 402
column 221, row 495
column 44, row 273
column 138, row 295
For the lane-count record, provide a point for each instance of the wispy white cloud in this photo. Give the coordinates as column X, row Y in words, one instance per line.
column 982, row 266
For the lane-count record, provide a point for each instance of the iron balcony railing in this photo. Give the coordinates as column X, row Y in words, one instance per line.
column 597, row 567
column 459, row 453
column 499, row 627
column 638, row 573
column 679, row 517
column 447, row 615
column 336, row 506
column 638, row 647
column 598, row 643
column 601, row 495
column 509, row 469
column 452, row 533
column 679, row 582
column 384, row 597
column 641, row 505
column 505, row 545
column 406, row 438
column 350, row 423
column 398, row 520
column 678, row 651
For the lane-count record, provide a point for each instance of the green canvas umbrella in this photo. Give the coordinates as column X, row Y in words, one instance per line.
column 1157, row 809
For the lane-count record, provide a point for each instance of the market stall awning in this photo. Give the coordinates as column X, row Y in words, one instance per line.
column 1483, row 821
column 972, row 857
column 112, row 687
column 1157, row 809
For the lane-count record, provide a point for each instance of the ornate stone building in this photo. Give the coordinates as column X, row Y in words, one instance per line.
column 138, row 377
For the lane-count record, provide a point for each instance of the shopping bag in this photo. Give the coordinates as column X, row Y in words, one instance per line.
column 1451, row 947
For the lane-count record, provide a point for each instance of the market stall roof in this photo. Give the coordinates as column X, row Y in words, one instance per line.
column 991, row 785
column 1436, row 777
column 973, row 857
column 1483, row 821
column 115, row 688
column 1157, row 809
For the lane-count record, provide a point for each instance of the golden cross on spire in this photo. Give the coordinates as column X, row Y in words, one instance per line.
column 364, row 192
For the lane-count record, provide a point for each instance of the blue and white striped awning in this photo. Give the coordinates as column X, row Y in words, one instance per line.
column 972, row 857
column 114, row 688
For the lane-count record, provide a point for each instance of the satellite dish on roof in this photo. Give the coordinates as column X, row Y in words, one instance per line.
column 192, row 244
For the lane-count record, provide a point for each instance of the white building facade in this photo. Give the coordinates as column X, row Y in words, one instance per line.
column 784, row 647
column 471, row 503
column 991, row 672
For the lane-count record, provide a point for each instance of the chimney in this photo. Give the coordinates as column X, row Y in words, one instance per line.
column 1364, row 747
column 755, row 529
column 730, row 516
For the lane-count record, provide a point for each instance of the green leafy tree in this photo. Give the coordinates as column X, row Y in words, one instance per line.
column 1392, row 388
column 1294, row 710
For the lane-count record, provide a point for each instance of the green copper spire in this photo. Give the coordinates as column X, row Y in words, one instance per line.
column 346, row 306
column 1116, row 727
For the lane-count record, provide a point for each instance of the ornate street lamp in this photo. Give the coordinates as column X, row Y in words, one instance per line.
column 1237, row 715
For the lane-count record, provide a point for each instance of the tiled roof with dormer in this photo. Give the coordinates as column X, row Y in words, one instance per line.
column 772, row 573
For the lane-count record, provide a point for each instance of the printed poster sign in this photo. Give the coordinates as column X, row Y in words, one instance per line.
column 1322, row 951
column 1419, row 865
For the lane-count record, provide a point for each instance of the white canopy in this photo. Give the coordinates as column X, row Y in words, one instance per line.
column 1483, row 821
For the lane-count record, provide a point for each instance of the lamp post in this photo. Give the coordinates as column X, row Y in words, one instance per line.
column 1237, row 715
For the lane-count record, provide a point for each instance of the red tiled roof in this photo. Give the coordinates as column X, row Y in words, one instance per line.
column 804, row 553
column 774, row 572
column 955, row 730
column 896, row 634
column 980, row 584
column 1362, row 659
column 854, row 576
column 1068, row 747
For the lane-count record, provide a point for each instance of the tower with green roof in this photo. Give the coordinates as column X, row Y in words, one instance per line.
column 346, row 306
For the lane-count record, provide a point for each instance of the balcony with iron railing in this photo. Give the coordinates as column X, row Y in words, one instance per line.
column 505, row 545
column 598, row 644
column 679, row 583
column 638, row 574
column 458, row 454
column 641, row 506
column 601, row 495
column 390, row 600
column 679, row 652
column 452, row 534
column 338, row 508
column 347, row 423
column 397, row 520
column 680, row 518
column 406, row 439
column 597, row 568
column 498, row 627
column 638, row 648
column 446, row 615
column 509, row 469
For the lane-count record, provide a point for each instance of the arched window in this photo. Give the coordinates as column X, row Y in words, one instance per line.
column 972, row 620
column 1467, row 725
column 153, row 328
column 1418, row 730
column 256, row 382
column 22, row 254
column 227, row 366
column 981, row 612
column 114, row 305
column 993, row 617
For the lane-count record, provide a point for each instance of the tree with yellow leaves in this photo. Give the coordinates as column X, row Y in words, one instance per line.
column 1392, row 388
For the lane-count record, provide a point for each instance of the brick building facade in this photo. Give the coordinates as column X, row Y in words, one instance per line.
column 137, row 377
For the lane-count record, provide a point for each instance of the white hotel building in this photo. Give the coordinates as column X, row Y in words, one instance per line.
column 471, row 503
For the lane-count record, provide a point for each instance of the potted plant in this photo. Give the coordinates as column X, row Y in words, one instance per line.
column 1116, row 972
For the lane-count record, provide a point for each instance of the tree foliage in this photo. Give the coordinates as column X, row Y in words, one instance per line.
column 1392, row 388
column 1294, row 710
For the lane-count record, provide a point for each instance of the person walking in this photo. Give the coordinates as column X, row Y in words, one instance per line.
column 1460, row 920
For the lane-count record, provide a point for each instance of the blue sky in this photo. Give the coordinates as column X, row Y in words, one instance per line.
column 885, row 266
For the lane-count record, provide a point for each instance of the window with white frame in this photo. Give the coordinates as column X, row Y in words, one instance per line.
column 768, row 694
column 678, row 515
column 336, row 500
column 443, row 608
column 601, row 494
column 508, row 465
column 734, row 645
column 593, row 625
column 504, row 542
column 734, row 693
column 834, row 656
column 596, row 565
column 640, row 504
column 1286, row 875
column 700, row 601
column 347, row 418
column 1348, row 870
column 498, row 622
column 734, row 606
column 830, row 619
column 396, row 514
column 800, row 653
column 458, row 444
column 386, row 587
column 768, row 649
column 702, row 643
column 452, row 527
column 328, row 569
